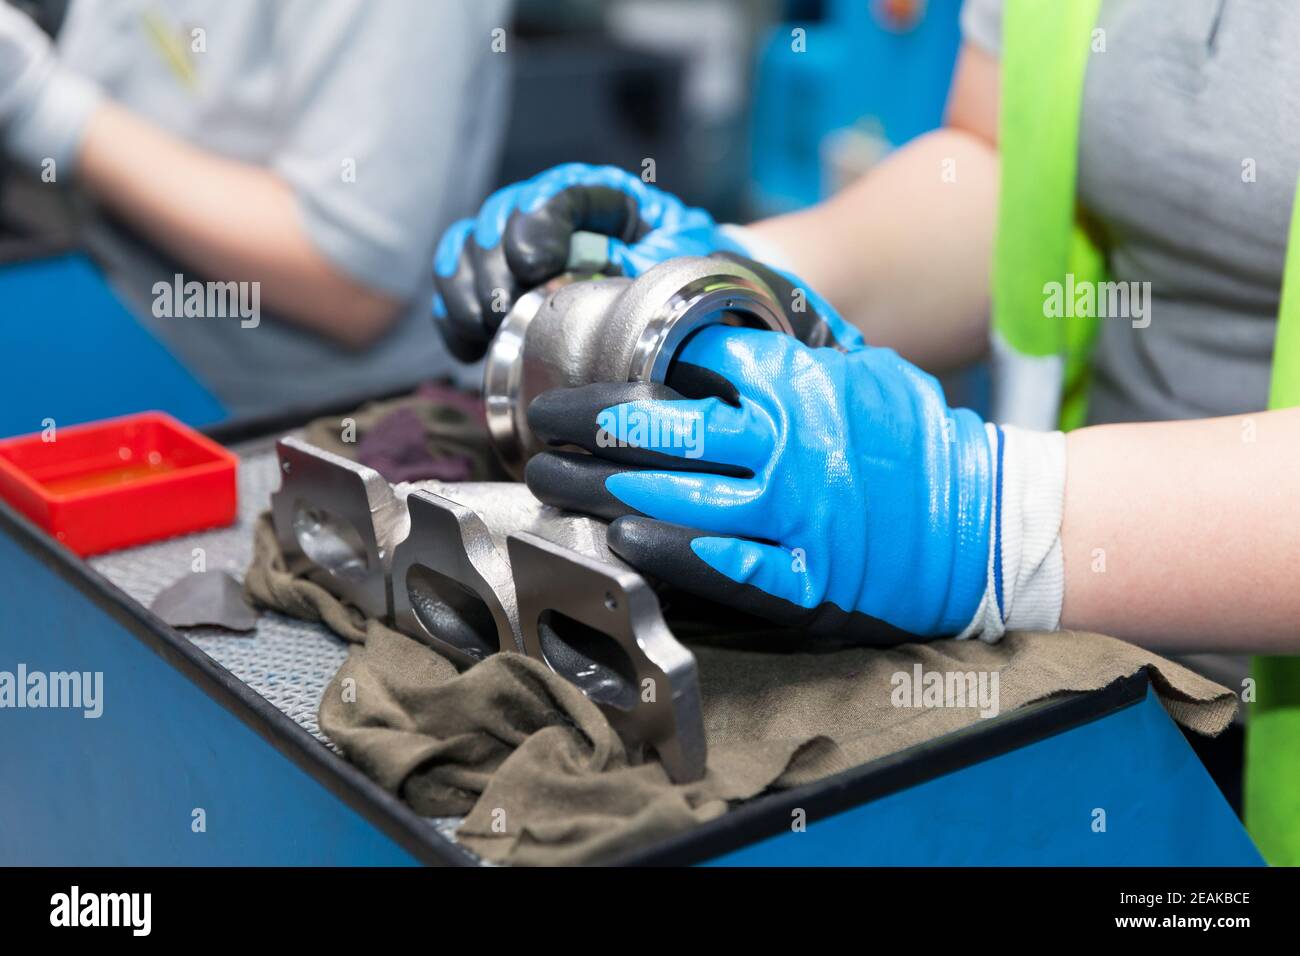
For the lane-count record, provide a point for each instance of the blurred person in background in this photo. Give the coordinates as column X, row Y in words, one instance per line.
column 314, row 147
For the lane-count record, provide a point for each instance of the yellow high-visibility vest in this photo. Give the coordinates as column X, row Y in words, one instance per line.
column 1042, row 365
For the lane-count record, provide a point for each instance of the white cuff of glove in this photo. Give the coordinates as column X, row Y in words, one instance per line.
column 51, row 126
column 757, row 247
column 1026, row 570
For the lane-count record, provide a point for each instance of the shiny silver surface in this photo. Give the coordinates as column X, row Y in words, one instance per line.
column 598, row 624
column 456, row 544
column 473, row 568
column 503, row 373
column 579, row 331
column 671, row 308
column 340, row 518
column 451, row 584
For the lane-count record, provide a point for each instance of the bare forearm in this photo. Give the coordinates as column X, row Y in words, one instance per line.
column 226, row 219
column 1185, row 536
column 904, row 252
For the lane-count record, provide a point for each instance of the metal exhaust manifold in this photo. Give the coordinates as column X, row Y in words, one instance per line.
column 575, row 332
column 475, row 568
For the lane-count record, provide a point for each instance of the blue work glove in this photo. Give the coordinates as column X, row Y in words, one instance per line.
column 831, row 490
column 522, row 235
column 521, row 239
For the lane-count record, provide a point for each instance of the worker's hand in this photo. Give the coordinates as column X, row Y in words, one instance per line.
column 521, row 239
column 830, row 490
column 43, row 106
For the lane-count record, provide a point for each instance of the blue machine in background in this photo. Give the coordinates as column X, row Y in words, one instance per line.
column 75, row 353
column 880, row 67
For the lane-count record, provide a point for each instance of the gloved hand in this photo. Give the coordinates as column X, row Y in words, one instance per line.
column 521, row 239
column 830, row 490
column 43, row 106
column 811, row 317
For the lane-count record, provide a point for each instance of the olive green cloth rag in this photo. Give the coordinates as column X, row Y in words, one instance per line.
column 542, row 778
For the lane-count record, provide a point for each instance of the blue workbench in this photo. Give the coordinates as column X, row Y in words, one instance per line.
column 179, row 733
column 1041, row 804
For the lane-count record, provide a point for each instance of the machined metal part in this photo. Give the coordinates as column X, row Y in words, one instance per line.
column 340, row 517
column 576, row 331
column 598, row 624
column 451, row 580
column 451, row 583
column 473, row 568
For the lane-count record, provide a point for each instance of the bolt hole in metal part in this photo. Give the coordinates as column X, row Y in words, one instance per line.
column 575, row 331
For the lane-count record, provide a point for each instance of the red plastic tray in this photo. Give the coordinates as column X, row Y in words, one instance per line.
column 119, row 482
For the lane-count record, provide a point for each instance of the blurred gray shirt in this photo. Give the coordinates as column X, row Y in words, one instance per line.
column 1189, row 147
column 384, row 118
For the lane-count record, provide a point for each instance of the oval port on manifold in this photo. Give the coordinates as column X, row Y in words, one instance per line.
column 589, row 658
column 330, row 542
column 451, row 613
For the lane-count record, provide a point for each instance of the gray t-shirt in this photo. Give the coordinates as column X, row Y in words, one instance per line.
column 1189, row 101
column 383, row 117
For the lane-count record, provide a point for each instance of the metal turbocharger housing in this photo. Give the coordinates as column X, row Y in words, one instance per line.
column 575, row 331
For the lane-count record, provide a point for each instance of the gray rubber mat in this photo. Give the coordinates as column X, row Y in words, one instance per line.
column 287, row 661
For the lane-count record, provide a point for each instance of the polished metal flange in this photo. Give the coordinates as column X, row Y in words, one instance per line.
column 451, row 584
column 598, row 624
column 475, row 568
column 575, row 331
column 340, row 518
